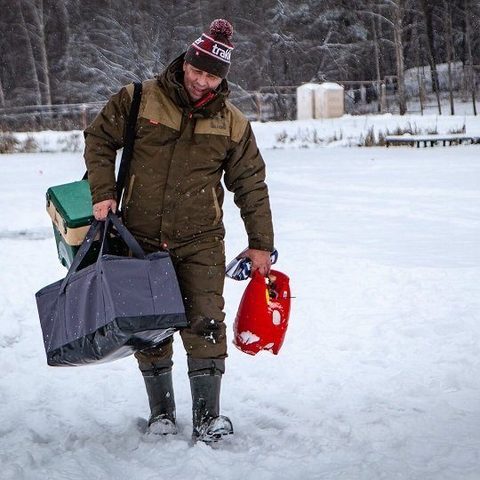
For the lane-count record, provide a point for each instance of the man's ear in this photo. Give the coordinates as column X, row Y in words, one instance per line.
column 184, row 65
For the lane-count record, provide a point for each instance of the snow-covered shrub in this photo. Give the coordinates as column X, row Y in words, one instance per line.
column 29, row 145
column 368, row 140
column 461, row 129
column 72, row 143
column 281, row 137
column 8, row 143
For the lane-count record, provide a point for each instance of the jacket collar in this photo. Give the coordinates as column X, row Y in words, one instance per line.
column 171, row 80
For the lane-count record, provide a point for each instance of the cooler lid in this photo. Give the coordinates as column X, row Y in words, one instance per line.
column 73, row 201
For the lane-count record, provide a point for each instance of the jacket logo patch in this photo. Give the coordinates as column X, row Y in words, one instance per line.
column 218, row 123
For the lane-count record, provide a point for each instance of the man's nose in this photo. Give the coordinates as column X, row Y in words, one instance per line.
column 202, row 80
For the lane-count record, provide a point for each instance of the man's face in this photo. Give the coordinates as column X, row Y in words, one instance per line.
column 197, row 82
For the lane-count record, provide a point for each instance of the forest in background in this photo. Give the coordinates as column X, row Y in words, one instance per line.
column 70, row 51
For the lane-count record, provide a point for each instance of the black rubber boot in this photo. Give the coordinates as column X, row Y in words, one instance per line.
column 162, row 402
column 208, row 425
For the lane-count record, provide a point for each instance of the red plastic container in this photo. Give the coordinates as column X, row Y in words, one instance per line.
column 262, row 317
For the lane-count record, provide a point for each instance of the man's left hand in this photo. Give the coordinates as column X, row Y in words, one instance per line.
column 260, row 260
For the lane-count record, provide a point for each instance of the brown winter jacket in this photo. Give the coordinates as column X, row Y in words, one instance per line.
column 173, row 190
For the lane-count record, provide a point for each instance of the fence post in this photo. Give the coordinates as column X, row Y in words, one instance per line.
column 383, row 98
column 258, row 103
column 83, row 113
column 363, row 93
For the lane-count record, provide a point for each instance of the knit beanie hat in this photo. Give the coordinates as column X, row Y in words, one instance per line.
column 211, row 52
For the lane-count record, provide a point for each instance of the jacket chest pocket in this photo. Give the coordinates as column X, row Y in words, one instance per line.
column 155, row 134
column 209, row 150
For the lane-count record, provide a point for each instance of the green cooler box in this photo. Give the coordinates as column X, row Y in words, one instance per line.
column 70, row 208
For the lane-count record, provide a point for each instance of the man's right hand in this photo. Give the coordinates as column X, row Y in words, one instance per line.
column 101, row 209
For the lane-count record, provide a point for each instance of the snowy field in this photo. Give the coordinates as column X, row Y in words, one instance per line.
column 379, row 376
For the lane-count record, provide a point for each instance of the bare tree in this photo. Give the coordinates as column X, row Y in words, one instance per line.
column 398, row 7
column 35, row 12
column 376, row 49
column 427, row 8
column 447, row 21
column 392, row 13
column 82, row 50
column 428, row 11
column 2, row 95
column 420, row 76
column 30, row 57
column 467, row 8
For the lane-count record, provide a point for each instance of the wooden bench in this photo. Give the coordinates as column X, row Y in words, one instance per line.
column 430, row 140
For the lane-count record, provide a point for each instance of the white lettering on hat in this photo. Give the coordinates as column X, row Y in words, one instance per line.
column 222, row 53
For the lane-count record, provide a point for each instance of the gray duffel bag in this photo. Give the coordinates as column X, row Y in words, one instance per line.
column 112, row 308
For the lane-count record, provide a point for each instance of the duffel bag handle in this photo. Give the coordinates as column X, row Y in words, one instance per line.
column 95, row 227
column 125, row 235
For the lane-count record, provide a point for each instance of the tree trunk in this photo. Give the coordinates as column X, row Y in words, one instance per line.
column 468, row 45
column 399, row 54
column 38, row 17
column 427, row 8
column 377, row 61
column 418, row 62
column 2, row 95
column 30, row 55
column 449, row 45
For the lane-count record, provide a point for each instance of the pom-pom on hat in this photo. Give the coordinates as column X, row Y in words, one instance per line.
column 212, row 51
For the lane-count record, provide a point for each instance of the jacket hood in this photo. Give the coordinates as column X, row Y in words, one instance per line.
column 171, row 80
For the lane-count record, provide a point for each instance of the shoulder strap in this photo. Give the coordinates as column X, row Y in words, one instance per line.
column 129, row 139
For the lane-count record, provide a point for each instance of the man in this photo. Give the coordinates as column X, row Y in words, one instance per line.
column 188, row 135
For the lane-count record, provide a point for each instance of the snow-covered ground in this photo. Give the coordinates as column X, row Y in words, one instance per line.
column 379, row 374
